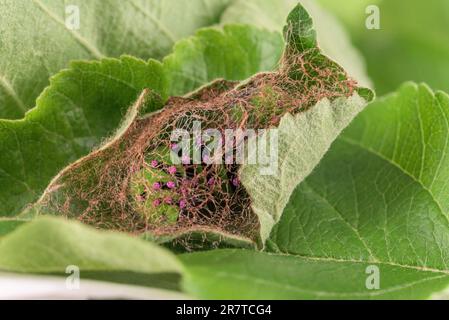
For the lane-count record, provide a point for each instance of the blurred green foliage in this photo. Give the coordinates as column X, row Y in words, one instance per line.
column 412, row 43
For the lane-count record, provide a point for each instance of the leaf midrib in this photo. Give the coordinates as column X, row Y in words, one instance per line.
column 170, row 36
column 91, row 48
column 9, row 89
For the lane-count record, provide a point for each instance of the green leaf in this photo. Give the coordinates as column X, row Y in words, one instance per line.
column 303, row 139
column 86, row 103
column 380, row 195
column 233, row 53
column 35, row 42
column 412, row 47
column 50, row 245
column 390, row 183
column 68, row 121
column 241, row 274
column 378, row 198
column 332, row 37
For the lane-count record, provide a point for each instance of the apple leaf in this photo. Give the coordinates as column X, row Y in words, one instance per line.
column 51, row 245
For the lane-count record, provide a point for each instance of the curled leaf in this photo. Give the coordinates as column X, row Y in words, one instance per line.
column 133, row 184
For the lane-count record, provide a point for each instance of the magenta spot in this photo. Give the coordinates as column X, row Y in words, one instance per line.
column 171, row 184
column 154, row 163
column 172, row 170
column 174, row 146
column 156, row 186
column 235, row 182
column 211, row 181
column 185, row 159
column 182, row 204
